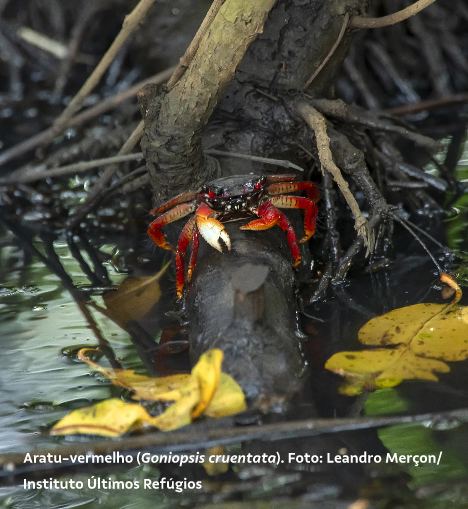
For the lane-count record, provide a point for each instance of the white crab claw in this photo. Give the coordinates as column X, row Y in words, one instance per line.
column 212, row 230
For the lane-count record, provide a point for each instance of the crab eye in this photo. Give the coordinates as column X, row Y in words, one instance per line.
column 211, row 194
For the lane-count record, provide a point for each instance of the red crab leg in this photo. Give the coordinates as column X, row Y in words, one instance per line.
column 193, row 255
column 181, row 198
column 211, row 229
column 184, row 241
column 269, row 216
column 291, row 187
column 172, row 215
column 296, row 202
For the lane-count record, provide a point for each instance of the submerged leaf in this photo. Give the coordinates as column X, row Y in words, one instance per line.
column 215, row 468
column 134, row 298
column 206, row 391
column 425, row 335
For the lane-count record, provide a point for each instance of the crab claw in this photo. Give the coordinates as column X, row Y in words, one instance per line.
column 212, row 230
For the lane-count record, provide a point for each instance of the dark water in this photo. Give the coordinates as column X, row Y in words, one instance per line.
column 41, row 322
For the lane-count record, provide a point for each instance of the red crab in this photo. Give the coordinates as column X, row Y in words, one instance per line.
column 230, row 199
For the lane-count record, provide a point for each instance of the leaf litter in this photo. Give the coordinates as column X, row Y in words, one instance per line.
column 417, row 341
column 206, row 391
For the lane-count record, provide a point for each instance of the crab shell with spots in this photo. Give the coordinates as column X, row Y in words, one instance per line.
column 230, row 199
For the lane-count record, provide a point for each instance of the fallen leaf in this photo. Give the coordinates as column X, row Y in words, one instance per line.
column 109, row 418
column 227, row 400
column 215, row 468
column 143, row 387
column 207, row 374
column 464, row 314
column 179, row 414
column 423, row 336
column 134, row 298
column 206, row 391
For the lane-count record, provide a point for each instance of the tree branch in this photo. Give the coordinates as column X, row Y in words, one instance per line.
column 192, row 49
column 361, row 22
column 317, row 122
column 327, row 58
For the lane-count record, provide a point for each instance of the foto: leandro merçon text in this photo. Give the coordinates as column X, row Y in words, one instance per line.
column 271, row 458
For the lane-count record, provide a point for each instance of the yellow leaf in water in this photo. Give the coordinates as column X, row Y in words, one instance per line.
column 109, row 418
column 215, row 468
column 206, row 391
column 464, row 314
column 425, row 335
column 134, row 298
column 142, row 386
column 180, row 413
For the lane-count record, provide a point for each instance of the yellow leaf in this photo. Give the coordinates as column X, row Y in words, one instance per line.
column 206, row 390
column 109, row 418
column 134, row 298
column 215, row 468
column 207, row 371
column 180, row 413
column 143, row 387
column 464, row 314
column 425, row 335
column 228, row 399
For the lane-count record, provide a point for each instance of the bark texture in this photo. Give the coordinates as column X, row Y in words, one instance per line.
column 174, row 122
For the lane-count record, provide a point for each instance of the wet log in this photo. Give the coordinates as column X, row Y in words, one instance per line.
column 244, row 301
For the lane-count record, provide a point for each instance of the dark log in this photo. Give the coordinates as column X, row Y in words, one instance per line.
column 257, row 328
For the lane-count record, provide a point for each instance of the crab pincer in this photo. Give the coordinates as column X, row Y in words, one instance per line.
column 211, row 229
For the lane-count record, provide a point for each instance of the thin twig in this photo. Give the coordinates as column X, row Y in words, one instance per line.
column 88, row 12
column 391, row 19
column 192, row 49
column 420, row 230
column 39, row 173
column 327, row 58
column 317, row 122
column 356, row 115
column 107, row 104
column 100, row 185
column 130, row 24
column 277, row 162
column 431, row 104
column 403, row 223
column 199, row 437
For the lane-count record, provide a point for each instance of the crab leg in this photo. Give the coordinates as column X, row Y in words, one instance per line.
column 176, row 213
column 184, row 241
column 193, row 254
column 269, row 216
column 181, row 198
column 296, row 202
column 211, row 229
column 290, row 187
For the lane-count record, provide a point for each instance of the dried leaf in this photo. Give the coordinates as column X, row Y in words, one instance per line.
column 134, row 298
column 206, row 390
column 228, row 399
column 425, row 335
column 215, row 468
column 208, row 372
column 109, row 418
column 180, row 413
column 143, row 387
